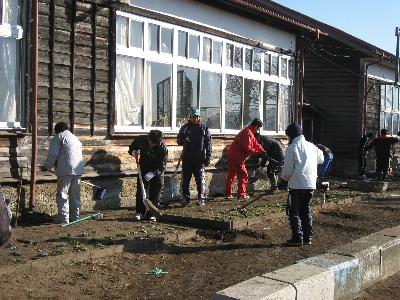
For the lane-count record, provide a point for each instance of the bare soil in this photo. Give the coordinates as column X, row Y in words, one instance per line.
column 196, row 268
column 384, row 290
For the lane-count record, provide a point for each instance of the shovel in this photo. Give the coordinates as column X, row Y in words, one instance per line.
column 147, row 203
column 174, row 182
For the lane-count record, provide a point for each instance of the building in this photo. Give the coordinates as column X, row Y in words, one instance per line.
column 115, row 69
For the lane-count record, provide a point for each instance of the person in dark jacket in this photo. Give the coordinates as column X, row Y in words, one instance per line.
column 382, row 145
column 153, row 156
column 362, row 162
column 195, row 138
column 275, row 156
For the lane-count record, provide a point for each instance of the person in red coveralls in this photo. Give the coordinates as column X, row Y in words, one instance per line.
column 243, row 145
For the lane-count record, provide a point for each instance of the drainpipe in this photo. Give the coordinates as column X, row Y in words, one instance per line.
column 397, row 55
column 34, row 83
column 301, row 85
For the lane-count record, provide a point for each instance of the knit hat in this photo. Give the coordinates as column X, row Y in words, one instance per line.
column 293, row 130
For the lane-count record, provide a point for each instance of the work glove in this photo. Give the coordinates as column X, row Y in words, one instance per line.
column 149, row 176
column 134, row 153
column 207, row 162
column 282, row 185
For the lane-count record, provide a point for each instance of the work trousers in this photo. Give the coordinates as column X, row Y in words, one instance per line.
column 362, row 163
column 68, row 189
column 273, row 170
column 239, row 170
column 382, row 166
column 196, row 169
column 153, row 187
column 299, row 212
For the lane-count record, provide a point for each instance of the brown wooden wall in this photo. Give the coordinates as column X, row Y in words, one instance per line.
column 73, row 66
column 337, row 92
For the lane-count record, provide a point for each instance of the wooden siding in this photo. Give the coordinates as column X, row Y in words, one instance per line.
column 337, row 92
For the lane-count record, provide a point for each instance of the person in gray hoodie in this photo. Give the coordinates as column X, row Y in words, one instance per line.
column 65, row 155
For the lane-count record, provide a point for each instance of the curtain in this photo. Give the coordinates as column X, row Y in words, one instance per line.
column 128, row 91
column 8, row 65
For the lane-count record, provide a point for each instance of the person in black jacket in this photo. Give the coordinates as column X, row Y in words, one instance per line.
column 382, row 146
column 195, row 138
column 153, row 156
column 362, row 162
column 274, row 155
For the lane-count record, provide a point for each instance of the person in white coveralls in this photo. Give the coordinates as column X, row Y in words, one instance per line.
column 65, row 155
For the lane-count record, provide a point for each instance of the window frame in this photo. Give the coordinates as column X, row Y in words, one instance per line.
column 15, row 32
column 221, row 68
column 386, row 110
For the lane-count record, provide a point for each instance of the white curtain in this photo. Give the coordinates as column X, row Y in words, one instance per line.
column 8, row 65
column 128, row 91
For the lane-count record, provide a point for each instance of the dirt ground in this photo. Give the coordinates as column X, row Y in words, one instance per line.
column 196, row 268
column 386, row 289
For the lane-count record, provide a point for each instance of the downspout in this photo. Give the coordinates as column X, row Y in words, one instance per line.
column 301, row 85
column 34, row 83
column 397, row 55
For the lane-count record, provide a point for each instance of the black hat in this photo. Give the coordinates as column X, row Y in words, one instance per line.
column 293, row 130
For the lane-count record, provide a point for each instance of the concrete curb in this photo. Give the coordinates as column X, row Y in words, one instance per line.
column 339, row 274
column 137, row 245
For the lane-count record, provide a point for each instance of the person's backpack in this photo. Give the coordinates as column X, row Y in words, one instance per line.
column 5, row 220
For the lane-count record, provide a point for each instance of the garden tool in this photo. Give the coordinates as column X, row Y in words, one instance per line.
column 147, row 203
column 241, row 209
column 174, row 182
column 92, row 216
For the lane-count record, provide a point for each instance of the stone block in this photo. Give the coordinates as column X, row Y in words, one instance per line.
column 394, row 232
column 257, row 288
column 346, row 273
column 390, row 257
column 310, row 281
column 368, row 252
column 389, row 247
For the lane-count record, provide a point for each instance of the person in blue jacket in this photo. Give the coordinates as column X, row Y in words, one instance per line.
column 195, row 138
column 325, row 168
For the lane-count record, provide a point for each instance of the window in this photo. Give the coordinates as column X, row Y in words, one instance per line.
column 389, row 115
column 136, row 34
column 128, row 91
column 194, row 46
column 270, row 105
column 230, row 82
column 210, row 99
column 207, row 49
column 187, row 87
column 10, row 66
column 233, row 102
column 159, row 95
column 217, row 52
